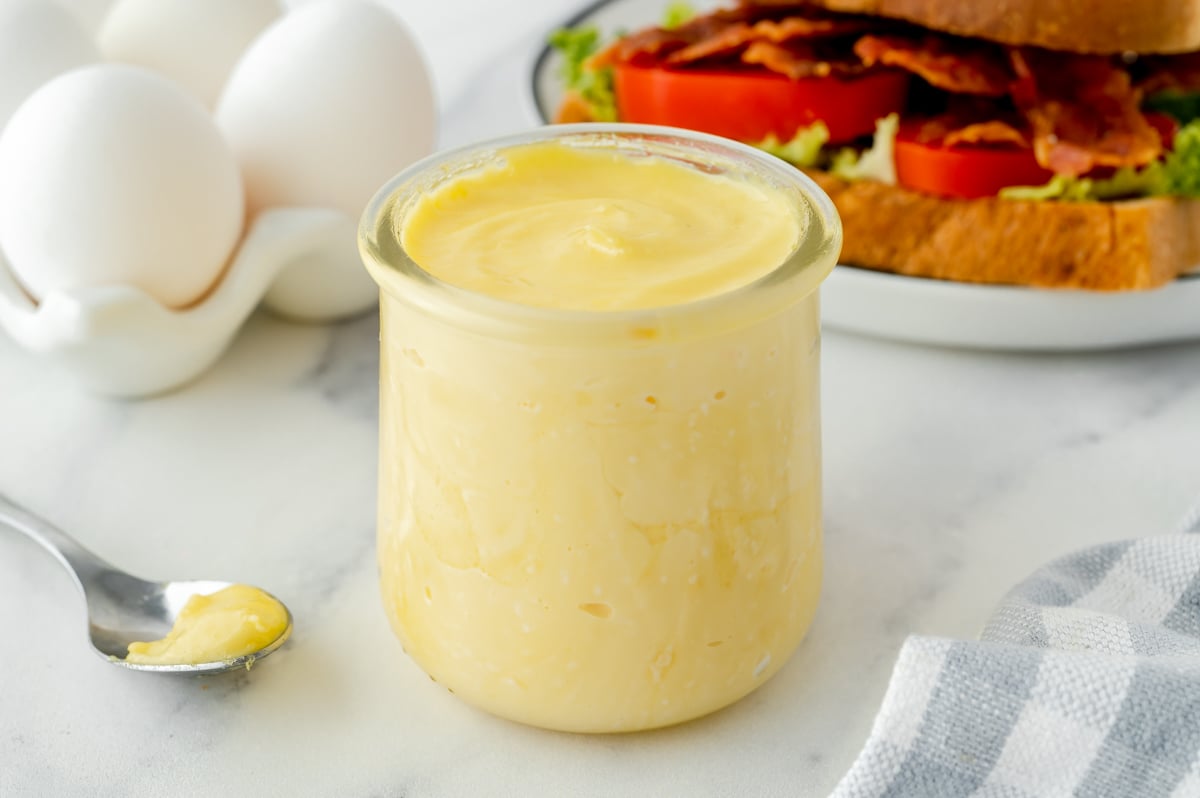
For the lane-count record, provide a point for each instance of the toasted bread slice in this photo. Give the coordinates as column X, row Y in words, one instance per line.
column 1098, row 246
column 1081, row 26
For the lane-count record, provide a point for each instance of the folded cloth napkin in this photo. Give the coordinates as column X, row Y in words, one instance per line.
column 1086, row 682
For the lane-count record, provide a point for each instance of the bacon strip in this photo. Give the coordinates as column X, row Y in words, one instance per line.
column 972, row 120
column 1084, row 112
column 779, row 7
column 1161, row 72
column 727, row 32
column 740, row 35
column 947, row 130
column 991, row 132
column 797, row 60
column 658, row 43
column 956, row 66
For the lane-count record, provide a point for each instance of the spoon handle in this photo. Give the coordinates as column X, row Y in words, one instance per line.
column 82, row 564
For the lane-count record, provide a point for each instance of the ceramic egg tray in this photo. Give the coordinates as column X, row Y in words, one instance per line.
column 118, row 341
column 316, row 107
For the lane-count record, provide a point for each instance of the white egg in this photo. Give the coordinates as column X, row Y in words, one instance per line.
column 194, row 42
column 114, row 175
column 90, row 13
column 326, row 105
column 38, row 41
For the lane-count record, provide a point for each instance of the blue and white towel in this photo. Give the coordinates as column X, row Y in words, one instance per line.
column 1086, row 682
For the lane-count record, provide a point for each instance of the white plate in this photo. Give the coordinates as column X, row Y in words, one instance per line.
column 935, row 311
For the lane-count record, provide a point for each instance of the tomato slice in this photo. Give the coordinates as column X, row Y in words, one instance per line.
column 749, row 106
column 964, row 171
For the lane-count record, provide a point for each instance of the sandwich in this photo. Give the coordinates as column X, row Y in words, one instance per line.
column 1047, row 143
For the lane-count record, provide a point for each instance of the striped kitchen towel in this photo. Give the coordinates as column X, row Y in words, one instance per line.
column 1086, row 682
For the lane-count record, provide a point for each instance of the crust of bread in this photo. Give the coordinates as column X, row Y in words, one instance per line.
column 1084, row 26
column 1098, row 246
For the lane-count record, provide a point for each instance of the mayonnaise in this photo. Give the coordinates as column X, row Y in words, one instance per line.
column 560, row 227
column 231, row 623
column 616, row 531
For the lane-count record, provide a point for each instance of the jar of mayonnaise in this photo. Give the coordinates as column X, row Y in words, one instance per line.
column 600, row 463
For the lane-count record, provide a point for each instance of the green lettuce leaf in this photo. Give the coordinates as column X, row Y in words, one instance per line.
column 878, row 162
column 1182, row 105
column 595, row 86
column 1181, row 168
column 1060, row 187
column 804, row 149
column 1124, row 184
column 677, row 13
column 1128, row 182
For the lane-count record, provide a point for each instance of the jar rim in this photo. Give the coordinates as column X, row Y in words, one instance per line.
column 797, row 276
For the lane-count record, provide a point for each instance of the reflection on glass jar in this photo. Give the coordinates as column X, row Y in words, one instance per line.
column 601, row 521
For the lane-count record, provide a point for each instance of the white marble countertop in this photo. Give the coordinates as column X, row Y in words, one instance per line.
column 949, row 476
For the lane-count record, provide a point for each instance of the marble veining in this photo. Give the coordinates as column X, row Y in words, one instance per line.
column 949, row 475
column 347, row 371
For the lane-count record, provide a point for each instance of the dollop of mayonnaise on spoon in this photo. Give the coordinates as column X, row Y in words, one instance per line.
column 231, row 623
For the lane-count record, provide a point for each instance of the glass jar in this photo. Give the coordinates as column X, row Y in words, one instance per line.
column 600, row 521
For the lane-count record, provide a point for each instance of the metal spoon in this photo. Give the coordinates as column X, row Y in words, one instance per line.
column 121, row 608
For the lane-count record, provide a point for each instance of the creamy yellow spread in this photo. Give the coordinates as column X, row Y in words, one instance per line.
column 562, row 227
column 603, row 538
column 231, row 623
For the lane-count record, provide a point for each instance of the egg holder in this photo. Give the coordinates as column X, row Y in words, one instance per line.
column 117, row 340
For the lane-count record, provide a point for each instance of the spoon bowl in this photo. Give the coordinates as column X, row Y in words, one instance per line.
column 122, row 608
